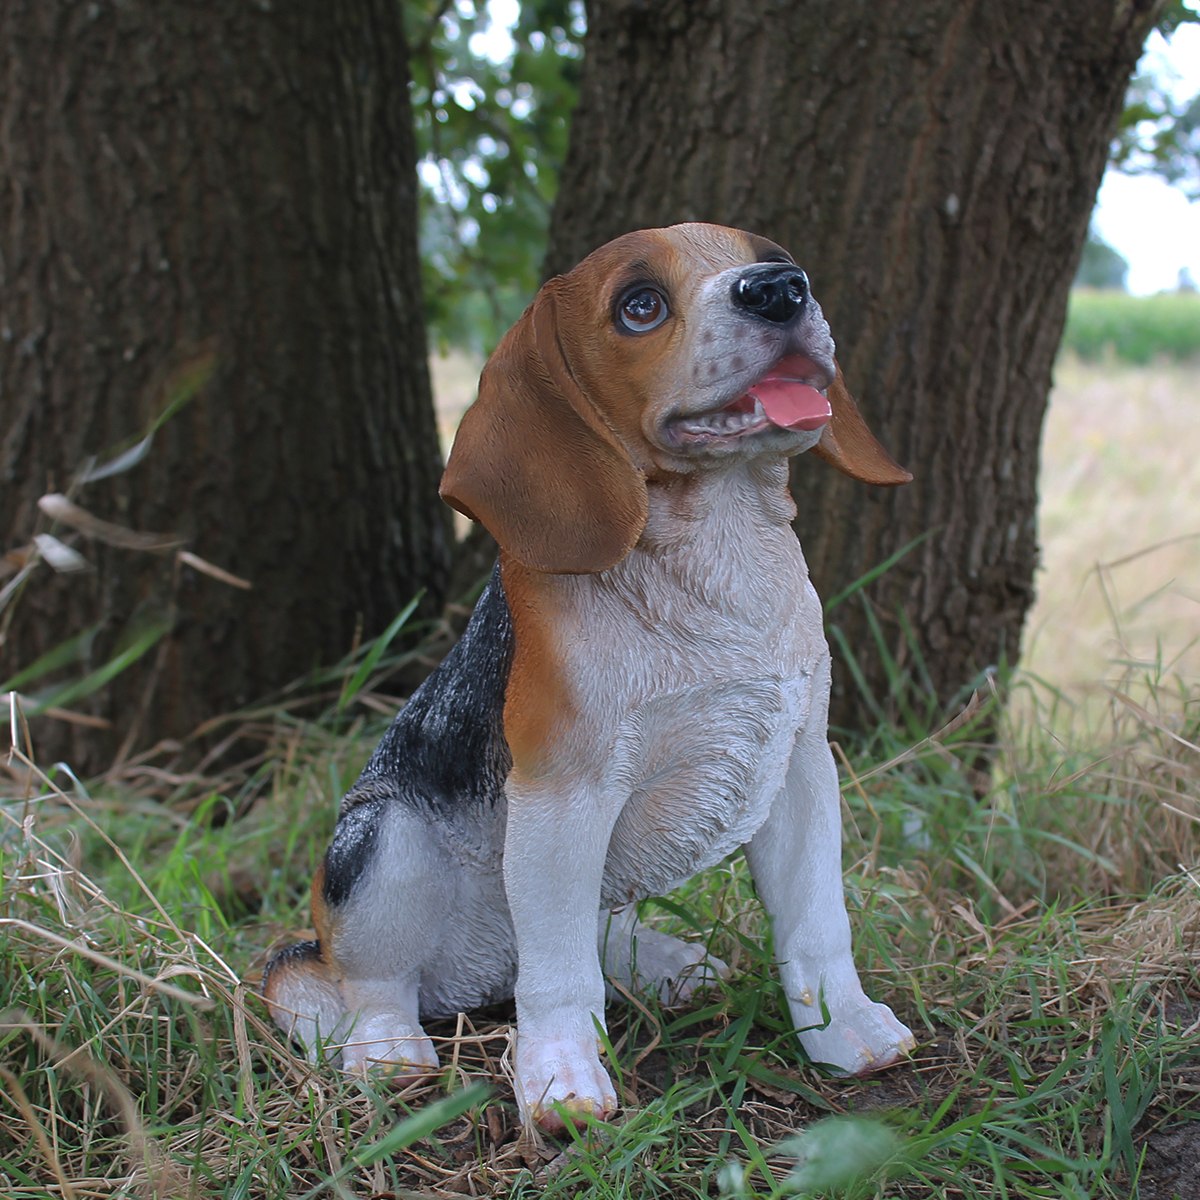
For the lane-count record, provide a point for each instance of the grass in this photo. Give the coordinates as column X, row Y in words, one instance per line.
column 1134, row 329
column 1055, row 1010
column 1038, row 926
column 1119, row 525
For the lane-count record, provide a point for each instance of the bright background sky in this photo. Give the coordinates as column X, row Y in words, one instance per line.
column 1151, row 224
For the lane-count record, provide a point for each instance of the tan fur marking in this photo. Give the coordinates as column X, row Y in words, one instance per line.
column 538, row 704
column 272, row 985
column 622, row 375
column 537, row 464
column 323, row 920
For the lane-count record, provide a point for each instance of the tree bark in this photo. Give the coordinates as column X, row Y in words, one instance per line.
column 229, row 179
column 933, row 167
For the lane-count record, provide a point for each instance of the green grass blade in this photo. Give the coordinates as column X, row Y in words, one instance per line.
column 864, row 580
column 61, row 655
column 362, row 673
column 146, row 639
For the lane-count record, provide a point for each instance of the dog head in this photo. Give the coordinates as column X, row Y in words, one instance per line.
column 665, row 352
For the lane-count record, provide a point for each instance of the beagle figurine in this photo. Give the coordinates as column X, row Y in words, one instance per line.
column 642, row 688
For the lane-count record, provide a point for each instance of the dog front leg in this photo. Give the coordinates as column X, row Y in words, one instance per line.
column 554, row 852
column 795, row 859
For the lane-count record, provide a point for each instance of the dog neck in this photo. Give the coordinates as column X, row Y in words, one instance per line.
column 717, row 541
column 746, row 498
column 722, row 538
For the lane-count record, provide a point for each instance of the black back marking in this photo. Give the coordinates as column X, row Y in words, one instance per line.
column 444, row 751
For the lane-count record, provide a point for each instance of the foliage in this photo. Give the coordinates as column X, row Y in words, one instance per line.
column 1159, row 132
column 491, row 132
column 1101, row 266
column 1160, row 135
column 1136, row 329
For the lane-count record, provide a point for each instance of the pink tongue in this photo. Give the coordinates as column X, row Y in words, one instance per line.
column 791, row 404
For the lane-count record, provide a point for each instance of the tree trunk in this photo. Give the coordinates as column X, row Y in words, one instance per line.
column 933, row 167
column 236, row 180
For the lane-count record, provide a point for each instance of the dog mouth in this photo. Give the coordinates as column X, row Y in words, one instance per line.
column 786, row 397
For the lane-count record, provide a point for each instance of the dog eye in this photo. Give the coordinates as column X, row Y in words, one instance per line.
column 642, row 310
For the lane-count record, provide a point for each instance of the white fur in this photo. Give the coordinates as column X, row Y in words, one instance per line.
column 704, row 683
column 645, row 960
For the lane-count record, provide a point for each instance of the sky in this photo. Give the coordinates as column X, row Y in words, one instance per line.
column 1150, row 223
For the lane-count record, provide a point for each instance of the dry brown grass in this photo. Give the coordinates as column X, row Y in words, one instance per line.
column 138, row 1061
column 1119, row 523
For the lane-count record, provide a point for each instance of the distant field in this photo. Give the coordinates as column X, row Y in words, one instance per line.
column 1134, row 329
column 1119, row 522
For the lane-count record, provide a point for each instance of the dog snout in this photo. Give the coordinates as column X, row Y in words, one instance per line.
column 775, row 292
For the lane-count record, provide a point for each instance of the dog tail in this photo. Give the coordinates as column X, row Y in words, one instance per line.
column 303, row 997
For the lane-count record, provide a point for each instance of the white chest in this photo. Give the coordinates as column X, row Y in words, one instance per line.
column 700, row 769
column 696, row 664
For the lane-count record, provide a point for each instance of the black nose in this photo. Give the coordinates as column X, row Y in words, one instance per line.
column 775, row 292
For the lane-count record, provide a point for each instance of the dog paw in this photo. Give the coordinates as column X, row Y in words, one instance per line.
column 860, row 1037
column 389, row 1044
column 690, row 972
column 649, row 961
column 560, row 1080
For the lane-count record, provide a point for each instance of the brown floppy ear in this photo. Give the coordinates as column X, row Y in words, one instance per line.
column 849, row 445
column 535, row 462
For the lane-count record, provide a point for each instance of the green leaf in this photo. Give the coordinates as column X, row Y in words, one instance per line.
column 839, row 1151
column 418, row 1126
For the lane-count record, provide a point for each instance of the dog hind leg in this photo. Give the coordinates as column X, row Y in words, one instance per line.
column 380, row 902
column 303, row 998
column 648, row 961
